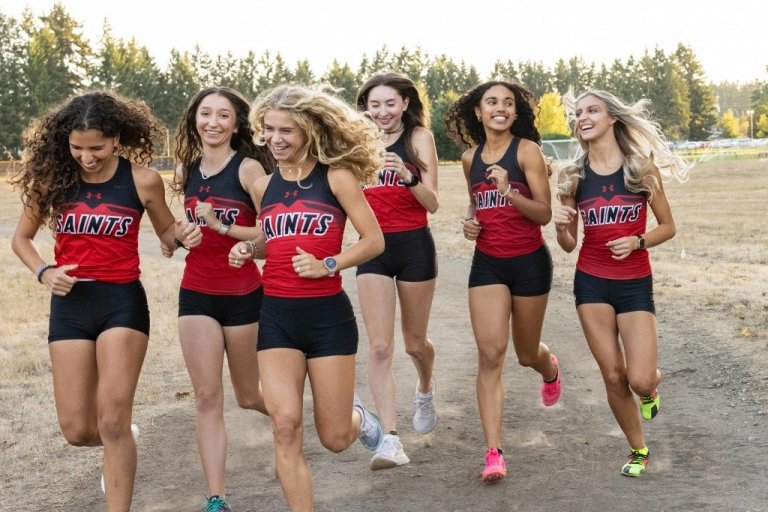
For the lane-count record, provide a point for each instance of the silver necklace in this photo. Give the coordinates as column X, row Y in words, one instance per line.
column 207, row 175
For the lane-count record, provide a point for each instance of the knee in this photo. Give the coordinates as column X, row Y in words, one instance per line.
column 209, row 399
column 615, row 380
column 78, row 434
column 335, row 442
column 528, row 358
column 111, row 426
column 643, row 385
column 287, row 430
column 489, row 357
column 249, row 400
column 418, row 348
column 379, row 352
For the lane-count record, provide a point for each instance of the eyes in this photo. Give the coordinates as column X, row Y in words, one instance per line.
column 221, row 115
column 508, row 103
column 272, row 129
column 589, row 110
column 376, row 104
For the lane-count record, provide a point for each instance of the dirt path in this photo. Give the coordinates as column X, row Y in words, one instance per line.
column 709, row 443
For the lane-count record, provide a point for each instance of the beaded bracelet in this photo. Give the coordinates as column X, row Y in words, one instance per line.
column 509, row 187
column 41, row 270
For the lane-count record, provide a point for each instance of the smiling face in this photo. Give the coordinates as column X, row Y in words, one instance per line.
column 592, row 118
column 216, row 120
column 386, row 107
column 497, row 109
column 283, row 136
column 93, row 152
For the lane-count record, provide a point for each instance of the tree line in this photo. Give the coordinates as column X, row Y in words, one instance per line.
column 44, row 59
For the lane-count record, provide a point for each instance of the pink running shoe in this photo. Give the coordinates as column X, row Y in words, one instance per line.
column 495, row 467
column 550, row 391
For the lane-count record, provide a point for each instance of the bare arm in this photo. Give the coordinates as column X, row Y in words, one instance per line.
column 346, row 188
column 151, row 190
column 623, row 246
column 23, row 245
column 470, row 226
column 426, row 191
column 566, row 220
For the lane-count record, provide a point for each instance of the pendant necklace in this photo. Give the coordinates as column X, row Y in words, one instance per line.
column 207, row 175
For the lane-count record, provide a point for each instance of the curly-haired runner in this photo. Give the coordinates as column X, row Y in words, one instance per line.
column 324, row 150
column 616, row 175
column 511, row 275
column 83, row 176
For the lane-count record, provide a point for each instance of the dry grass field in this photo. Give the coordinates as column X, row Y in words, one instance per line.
column 712, row 300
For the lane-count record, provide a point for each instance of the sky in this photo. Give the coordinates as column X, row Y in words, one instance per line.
column 728, row 39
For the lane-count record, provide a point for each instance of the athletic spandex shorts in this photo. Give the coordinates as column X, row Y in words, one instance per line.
column 625, row 295
column 228, row 310
column 408, row 256
column 92, row 307
column 528, row 275
column 318, row 326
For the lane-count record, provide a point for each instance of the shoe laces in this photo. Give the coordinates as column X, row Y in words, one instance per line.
column 424, row 403
column 649, row 399
column 388, row 443
column 216, row 504
column 493, row 457
column 636, row 457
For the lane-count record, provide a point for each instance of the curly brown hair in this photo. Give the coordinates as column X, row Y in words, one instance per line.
column 48, row 173
column 463, row 126
column 189, row 147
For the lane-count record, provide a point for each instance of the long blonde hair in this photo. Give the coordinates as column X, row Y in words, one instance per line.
column 641, row 142
column 337, row 135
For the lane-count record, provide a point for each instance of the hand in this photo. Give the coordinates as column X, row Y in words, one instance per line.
column 622, row 247
column 167, row 250
column 394, row 162
column 189, row 234
column 205, row 211
column 57, row 280
column 306, row 265
column 239, row 253
column 563, row 217
column 471, row 228
column 498, row 176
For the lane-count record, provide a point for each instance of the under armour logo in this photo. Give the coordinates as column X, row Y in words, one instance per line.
column 90, row 195
column 607, row 188
column 295, row 193
column 204, row 188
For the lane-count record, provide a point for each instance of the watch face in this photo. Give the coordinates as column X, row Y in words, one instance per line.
column 330, row 264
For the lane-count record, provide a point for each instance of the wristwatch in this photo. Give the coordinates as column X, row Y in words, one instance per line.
column 330, row 265
column 640, row 242
column 415, row 180
column 224, row 226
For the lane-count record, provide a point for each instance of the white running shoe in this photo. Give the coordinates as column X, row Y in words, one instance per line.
column 425, row 417
column 135, row 434
column 389, row 454
column 370, row 426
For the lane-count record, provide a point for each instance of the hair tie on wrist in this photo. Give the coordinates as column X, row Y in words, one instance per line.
column 509, row 187
column 41, row 270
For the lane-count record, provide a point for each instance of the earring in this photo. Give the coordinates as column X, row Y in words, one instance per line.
column 478, row 118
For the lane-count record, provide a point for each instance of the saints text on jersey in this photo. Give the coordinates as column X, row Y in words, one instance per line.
column 491, row 198
column 93, row 224
column 296, row 223
column 611, row 214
